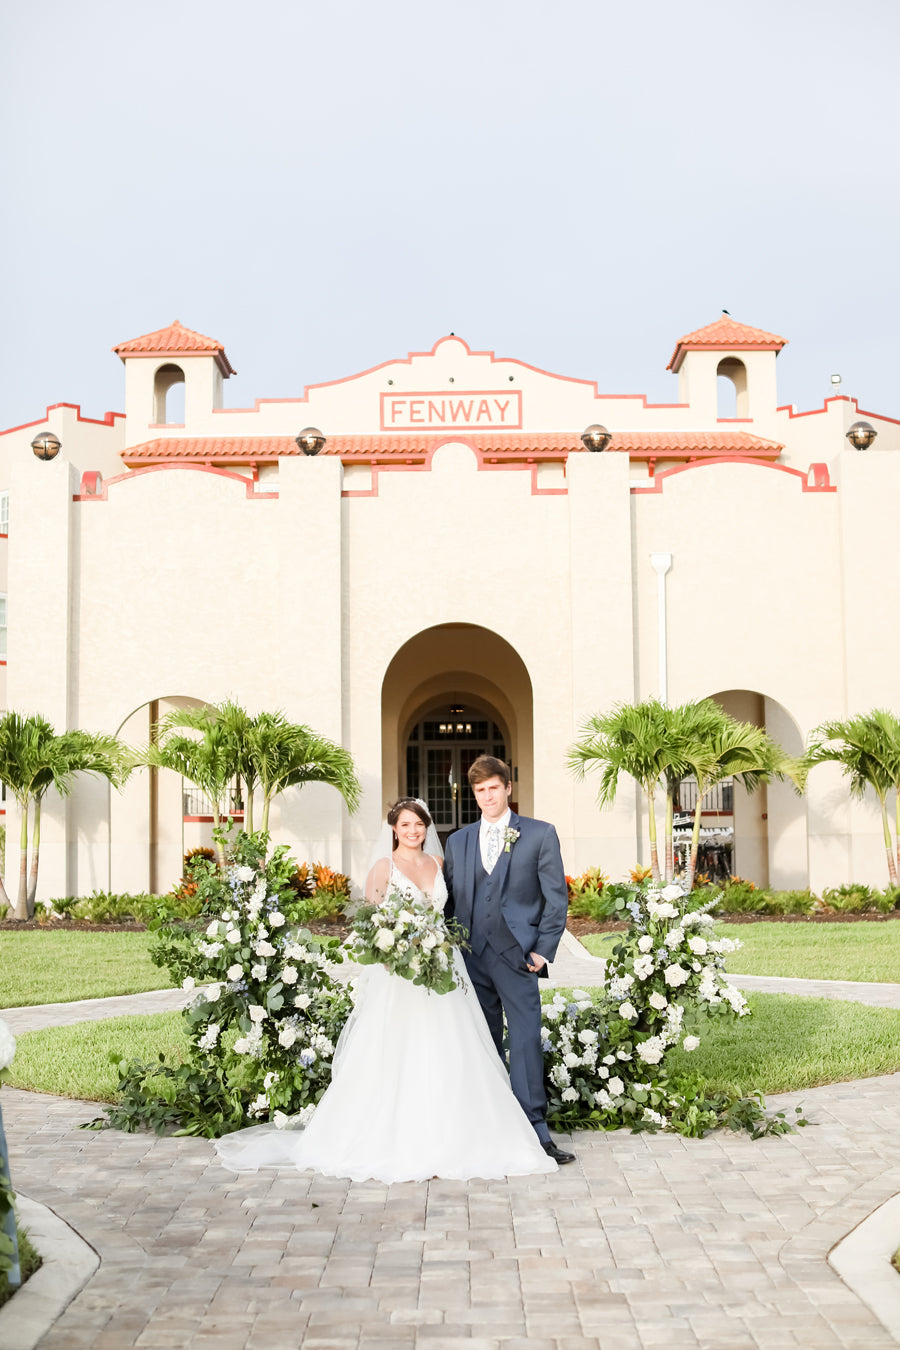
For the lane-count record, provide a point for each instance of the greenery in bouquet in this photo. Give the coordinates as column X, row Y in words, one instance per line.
column 412, row 940
column 604, row 1057
column 265, row 1014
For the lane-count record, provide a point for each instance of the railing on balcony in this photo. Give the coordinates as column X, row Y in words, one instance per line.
column 196, row 803
column 719, row 799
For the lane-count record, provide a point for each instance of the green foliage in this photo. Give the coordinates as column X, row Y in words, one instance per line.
column 30, row 1260
column 591, row 895
column 263, row 1024
column 62, row 964
column 738, row 896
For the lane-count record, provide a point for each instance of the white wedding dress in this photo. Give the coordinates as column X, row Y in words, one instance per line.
column 418, row 1091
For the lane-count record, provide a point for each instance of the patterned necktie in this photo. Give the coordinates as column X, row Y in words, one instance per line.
column 493, row 846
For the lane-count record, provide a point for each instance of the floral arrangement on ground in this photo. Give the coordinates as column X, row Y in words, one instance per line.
column 266, row 1015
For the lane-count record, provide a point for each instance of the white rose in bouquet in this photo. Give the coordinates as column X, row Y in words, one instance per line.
column 384, row 939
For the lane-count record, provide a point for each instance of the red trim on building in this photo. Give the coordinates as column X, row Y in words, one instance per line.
column 819, row 473
column 247, row 483
column 108, row 419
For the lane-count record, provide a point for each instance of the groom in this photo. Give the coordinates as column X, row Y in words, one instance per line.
column 507, row 886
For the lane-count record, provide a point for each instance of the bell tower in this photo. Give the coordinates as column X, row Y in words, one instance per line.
column 161, row 366
column 745, row 356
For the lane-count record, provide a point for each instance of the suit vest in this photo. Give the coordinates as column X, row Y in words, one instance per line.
column 489, row 928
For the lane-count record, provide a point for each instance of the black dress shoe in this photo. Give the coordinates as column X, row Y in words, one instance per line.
column 557, row 1154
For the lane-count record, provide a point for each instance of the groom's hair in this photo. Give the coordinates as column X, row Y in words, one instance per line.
column 488, row 766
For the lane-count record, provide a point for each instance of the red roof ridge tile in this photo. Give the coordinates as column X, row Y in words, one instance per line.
column 726, row 332
column 173, row 340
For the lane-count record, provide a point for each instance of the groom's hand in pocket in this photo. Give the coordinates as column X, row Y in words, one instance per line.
column 536, row 963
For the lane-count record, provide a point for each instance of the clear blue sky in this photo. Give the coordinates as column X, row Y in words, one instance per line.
column 323, row 186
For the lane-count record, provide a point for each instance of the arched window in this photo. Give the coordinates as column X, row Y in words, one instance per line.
column 733, row 399
column 168, row 395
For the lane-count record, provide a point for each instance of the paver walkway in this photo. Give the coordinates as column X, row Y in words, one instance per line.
column 646, row 1241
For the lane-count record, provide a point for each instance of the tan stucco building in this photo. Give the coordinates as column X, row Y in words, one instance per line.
column 454, row 571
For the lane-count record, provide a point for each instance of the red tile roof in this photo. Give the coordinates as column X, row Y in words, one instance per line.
column 174, row 340
column 510, row 447
column 725, row 333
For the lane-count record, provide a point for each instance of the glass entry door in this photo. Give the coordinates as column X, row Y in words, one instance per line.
column 440, row 752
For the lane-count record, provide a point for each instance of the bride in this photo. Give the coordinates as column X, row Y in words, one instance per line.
column 417, row 1089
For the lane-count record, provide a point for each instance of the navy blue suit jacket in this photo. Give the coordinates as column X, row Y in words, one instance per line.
column 534, row 896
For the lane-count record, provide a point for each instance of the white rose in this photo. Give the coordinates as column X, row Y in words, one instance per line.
column 302, row 1001
column 259, row 970
column 264, row 949
column 384, row 939
column 570, row 1094
column 287, row 1037
column 429, row 942
column 213, row 929
column 609, row 1059
column 628, row 1011
column 658, row 1001
column 571, row 1060
column 671, row 893
column 188, row 983
column 691, row 1042
column 277, row 920
column 7, row 1046
column 245, row 874
column 241, row 1045
column 280, row 1120
column 674, row 938
column 212, row 992
column 587, row 1037
column 235, row 972
column 257, row 1014
column 661, row 911
column 675, row 975
column 289, row 975
column 603, row 1071
column 697, row 945
column 233, row 936
column 615, row 1087
column 643, row 967
column 645, row 944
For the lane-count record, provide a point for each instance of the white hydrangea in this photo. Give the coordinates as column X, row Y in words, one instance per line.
column 559, row 1074
column 208, row 1040
column 259, row 1106
column 643, row 967
column 294, row 951
column 259, row 970
column 736, row 999
column 652, row 1050
column 209, row 949
column 655, row 1117
column 570, row 1094
column 674, row 938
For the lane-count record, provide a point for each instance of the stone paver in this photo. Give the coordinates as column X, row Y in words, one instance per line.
column 645, row 1241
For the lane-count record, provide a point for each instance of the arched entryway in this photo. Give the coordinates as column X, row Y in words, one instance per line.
column 450, row 693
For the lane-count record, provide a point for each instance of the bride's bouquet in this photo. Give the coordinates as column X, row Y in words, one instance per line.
column 412, row 940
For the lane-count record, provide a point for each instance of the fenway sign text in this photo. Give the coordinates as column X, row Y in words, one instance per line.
column 442, row 411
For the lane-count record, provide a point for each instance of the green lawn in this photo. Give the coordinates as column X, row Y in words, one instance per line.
column 57, row 967
column 814, row 951
column 74, row 1061
column 787, row 1044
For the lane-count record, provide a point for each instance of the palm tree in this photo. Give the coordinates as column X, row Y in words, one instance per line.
column 299, row 756
column 265, row 752
column 210, row 762
column 33, row 758
column 865, row 748
column 739, row 750
column 632, row 738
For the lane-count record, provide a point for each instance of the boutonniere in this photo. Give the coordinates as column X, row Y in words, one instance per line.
column 509, row 838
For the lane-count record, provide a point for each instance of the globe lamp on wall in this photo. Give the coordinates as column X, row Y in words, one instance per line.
column 46, row 446
column 861, row 435
column 310, row 440
column 595, row 437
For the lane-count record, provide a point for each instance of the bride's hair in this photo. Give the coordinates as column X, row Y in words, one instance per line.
column 406, row 804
